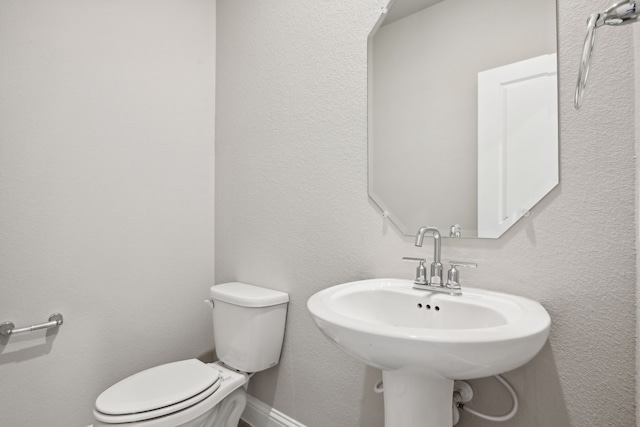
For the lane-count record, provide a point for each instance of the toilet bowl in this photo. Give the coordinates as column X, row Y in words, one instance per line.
column 248, row 333
column 217, row 398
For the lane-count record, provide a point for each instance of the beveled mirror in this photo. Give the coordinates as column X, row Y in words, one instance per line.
column 463, row 113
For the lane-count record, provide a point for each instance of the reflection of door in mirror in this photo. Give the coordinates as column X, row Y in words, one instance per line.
column 517, row 140
column 423, row 103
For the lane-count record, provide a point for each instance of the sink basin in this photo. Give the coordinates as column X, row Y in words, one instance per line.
column 423, row 340
column 388, row 324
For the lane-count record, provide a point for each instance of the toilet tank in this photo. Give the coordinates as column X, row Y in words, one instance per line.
column 248, row 325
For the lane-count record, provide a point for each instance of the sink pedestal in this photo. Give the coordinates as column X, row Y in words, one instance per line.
column 414, row 399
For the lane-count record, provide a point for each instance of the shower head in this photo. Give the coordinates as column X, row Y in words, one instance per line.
column 620, row 13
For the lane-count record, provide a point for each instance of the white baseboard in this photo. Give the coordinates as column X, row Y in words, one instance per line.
column 259, row 414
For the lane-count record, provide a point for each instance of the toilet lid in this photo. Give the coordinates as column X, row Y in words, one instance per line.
column 167, row 388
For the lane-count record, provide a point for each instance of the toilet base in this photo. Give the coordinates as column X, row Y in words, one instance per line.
column 225, row 414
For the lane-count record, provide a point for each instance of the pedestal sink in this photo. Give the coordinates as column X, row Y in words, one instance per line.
column 423, row 340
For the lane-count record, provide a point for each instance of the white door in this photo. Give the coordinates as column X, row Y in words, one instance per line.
column 517, row 141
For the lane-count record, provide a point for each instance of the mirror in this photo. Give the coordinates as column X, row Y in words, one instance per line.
column 463, row 113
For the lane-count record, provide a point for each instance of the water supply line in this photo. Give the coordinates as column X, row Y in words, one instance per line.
column 496, row 418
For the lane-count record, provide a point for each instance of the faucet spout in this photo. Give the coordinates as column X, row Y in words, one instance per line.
column 436, row 265
column 436, row 240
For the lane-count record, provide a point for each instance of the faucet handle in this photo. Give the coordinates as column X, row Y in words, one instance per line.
column 453, row 276
column 454, row 264
column 421, row 271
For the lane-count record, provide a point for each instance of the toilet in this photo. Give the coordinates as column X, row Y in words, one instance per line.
column 248, row 328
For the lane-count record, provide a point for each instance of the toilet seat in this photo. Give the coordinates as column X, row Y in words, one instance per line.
column 157, row 392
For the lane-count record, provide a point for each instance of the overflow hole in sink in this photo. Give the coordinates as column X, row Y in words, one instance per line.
column 437, row 308
column 428, row 307
column 419, row 305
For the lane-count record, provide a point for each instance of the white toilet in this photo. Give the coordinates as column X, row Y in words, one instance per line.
column 248, row 327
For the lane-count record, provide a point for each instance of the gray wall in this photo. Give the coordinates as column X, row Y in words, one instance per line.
column 293, row 214
column 106, row 196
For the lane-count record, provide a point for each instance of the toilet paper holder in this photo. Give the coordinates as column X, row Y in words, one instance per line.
column 8, row 328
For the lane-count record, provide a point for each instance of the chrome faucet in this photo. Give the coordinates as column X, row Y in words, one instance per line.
column 436, row 266
column 435, row 282
column 435, row 279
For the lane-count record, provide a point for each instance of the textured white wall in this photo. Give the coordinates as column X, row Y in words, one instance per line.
column 293, row 214
column 636, row 36
column 106, row 196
